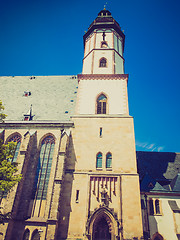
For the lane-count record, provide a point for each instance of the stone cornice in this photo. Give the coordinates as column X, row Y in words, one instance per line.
column 36, row 124
column 102, row 77
column 102, row 49
column 101, row 116
column 161, row 193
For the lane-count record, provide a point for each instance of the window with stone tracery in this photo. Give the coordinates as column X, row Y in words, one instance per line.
column 44, row 167
column 16, row 139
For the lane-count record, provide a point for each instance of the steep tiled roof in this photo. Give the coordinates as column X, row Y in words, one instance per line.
column 52, row 97
column 162, row 166
column 175, row 183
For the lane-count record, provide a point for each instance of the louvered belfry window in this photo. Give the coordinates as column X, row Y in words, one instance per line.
column 102, row 104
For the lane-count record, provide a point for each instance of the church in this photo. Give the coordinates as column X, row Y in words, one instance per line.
column 82, row 177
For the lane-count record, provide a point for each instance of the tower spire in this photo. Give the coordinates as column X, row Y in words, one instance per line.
column 105, row 6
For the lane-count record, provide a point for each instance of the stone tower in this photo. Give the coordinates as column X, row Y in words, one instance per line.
column 101, row 196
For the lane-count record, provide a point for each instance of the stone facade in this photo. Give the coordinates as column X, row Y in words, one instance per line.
column 77, row 154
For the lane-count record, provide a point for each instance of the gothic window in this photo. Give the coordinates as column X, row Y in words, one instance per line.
column 17, row 139
column 44, row 167
column 99, row 160
column 26, row 234
column 35, row 235
column 103, row 62
column 101, row 104
column 108, row 160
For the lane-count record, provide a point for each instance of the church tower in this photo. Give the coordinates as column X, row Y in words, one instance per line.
column 101, row 196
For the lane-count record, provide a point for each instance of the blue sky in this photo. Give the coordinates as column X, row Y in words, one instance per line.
column 43, row 37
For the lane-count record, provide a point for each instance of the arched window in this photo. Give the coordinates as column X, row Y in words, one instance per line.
column 157, row 207
column 99, row 160
column 103, row 62
column 26, row 234
column 17, row 139
column 44, row 167
column 108, row 160
column 101, row 104
column 35, row 235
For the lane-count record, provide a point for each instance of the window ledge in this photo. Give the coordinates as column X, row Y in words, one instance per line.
column 99, row 169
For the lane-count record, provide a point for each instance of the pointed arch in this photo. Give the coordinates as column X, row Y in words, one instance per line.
column 46, row 151
column 101, row 103
column 44, row 137
column 108, row 160
column 26, row 234
column 102, row 218
column 16, row 138
column 35, row 235
column 103, row 62
column 44, row 166
column 99, row 160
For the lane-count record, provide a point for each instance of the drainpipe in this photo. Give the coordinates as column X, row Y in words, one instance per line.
column 121, row 227
column 147, row 215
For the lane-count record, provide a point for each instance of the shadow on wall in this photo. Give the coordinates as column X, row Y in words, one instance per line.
column 24, row 191
column 66, row 192
column 159, row 165
column 153, row 226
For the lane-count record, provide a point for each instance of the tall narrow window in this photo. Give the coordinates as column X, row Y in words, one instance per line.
column 100, row 132
column 101, row 104
column 17, row 140
column 44, row 167
column 103, row 62
column 157, row 207
column 151, row 207
column 77, row 196
column 108, row 160
column 99, row 160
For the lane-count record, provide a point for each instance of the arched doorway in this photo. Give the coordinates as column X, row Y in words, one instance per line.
column 101, row 229
column 102, row 225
